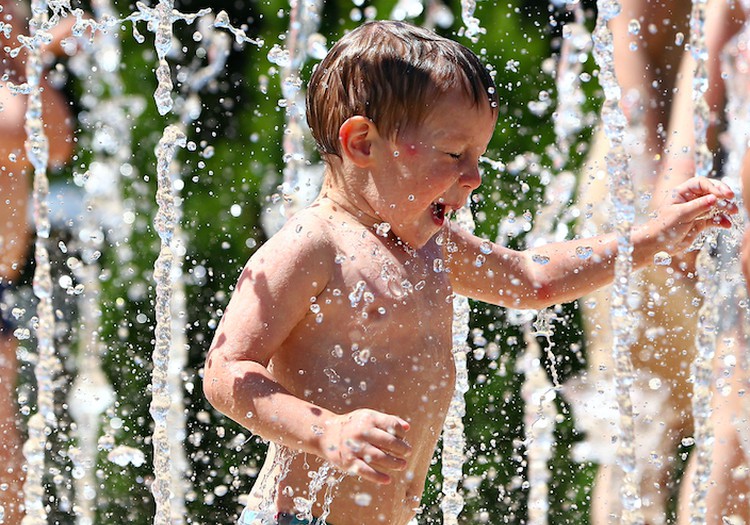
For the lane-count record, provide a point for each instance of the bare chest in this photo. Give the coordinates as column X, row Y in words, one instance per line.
column 379, row 333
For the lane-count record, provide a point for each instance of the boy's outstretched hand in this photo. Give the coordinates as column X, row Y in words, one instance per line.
column 366, row 443
column 693, row 206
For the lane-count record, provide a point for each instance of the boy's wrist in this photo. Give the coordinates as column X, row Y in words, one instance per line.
column 645, row 244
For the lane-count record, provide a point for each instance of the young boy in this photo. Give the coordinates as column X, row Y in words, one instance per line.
column 337, row 340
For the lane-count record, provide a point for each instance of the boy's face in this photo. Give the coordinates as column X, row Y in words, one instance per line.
column 430, row 170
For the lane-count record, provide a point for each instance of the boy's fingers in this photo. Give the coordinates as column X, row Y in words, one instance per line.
column 363, row 470
column 393, row 425
column 380, row 460
column 701, row 185
column 389, row 443
column 398, row 428
column 693, row 209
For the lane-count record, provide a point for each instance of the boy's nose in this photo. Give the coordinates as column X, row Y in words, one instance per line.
column 470, row 178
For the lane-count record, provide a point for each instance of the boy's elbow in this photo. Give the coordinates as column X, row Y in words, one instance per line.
column 536, row 299
column 539, row 291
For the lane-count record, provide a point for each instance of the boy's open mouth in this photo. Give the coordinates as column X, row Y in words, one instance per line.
column 438, row 213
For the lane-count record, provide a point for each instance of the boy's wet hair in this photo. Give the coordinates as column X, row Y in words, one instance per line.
column 392, row 73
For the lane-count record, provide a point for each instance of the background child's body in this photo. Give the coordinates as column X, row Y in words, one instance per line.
column 337, row 339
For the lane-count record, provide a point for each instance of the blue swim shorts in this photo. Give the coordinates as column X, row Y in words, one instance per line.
column 251, row 517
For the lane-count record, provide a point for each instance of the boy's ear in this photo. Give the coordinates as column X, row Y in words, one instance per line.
column 356, row 135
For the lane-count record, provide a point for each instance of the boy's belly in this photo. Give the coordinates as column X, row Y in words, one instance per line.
column 352, row 501
column 405, row 370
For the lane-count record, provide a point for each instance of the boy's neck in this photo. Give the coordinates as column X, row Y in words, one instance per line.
column 358, row 212
column 351, row 207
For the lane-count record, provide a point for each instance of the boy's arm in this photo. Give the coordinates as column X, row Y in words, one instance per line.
column 271, row 298
column 562, row 272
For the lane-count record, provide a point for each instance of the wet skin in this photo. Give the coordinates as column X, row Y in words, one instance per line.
column 362, row 377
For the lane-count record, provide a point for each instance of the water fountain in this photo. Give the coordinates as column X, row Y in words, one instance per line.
column 169, row 281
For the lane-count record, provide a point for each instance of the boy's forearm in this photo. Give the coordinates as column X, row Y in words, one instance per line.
column 582, row 266
column 247, row 393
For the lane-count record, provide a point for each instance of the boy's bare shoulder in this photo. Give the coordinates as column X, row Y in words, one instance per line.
column 307, row 241
column 308, row 229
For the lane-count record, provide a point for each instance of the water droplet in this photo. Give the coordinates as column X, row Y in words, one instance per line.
column 634, row 27
column 540, row 259
column 584, row 252
column 679, row 38
column 420, row 285
column 437, row 265
column 688, row 441
column 363, row 499
column 337, row 351
column 22, row 334
column 479, row 261
column 485, row 247
column 302, row 505
column 279, row 56
column 356, row 296
column 331, row 374
column 382, row 229
column 662, row 259
column 124, row 455
column 361, row 357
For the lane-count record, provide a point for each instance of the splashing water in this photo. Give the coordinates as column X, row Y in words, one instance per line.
column 539, row 395
column 702, row 113
column 472, row 28
column 708, row 276
column 540, row 413
column 454, row 440
column 326, row 477
column 622, row 193
column 37, row 150
column 165, row 224
column 92, row 394
column 157, row 19
column 301, row 183
column 568, row 117
column 269, row 486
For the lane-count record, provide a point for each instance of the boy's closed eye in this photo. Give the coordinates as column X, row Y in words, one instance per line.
column 456, row 156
